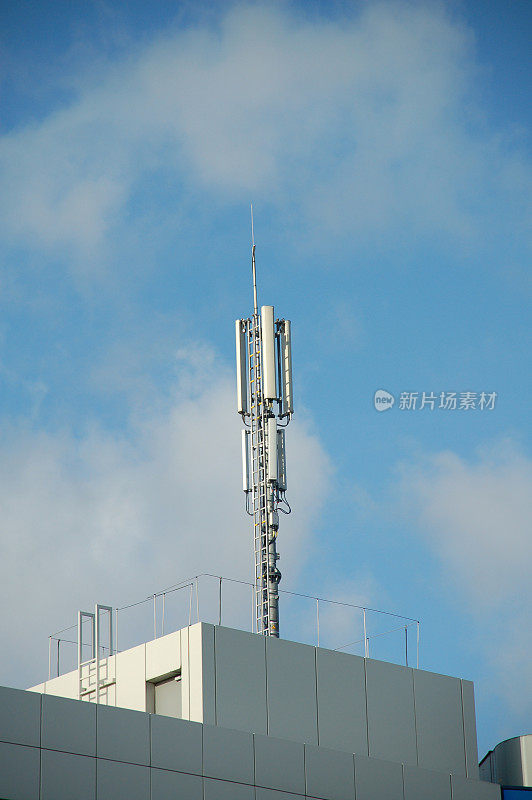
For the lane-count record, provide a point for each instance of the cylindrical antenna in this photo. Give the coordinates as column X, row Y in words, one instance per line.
column 255, row 306
column 241, row 367
column 286, row 368
column 272, row 449
column 281, row 460
column 269, row 382
column 246, row 482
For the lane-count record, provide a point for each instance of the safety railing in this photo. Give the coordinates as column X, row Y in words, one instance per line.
column 333, row 624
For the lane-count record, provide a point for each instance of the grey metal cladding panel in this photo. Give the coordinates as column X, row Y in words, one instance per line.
column 470, row 729
column 167, row 785
column 208, row 673
column 378, row 780
column 279, row 764
column 341, row 702
column 240, row 680
column 19, row 772
column 226, row 790
column 467, row 789
column 65, row 776
column 391, row 723
column 485, row 768
column 227, row 754
column 116, row 781
column 526, row 758
column 273, row 794
column 439, row 724
column 424, row 784
column 176, row 744
column 20, row 716
column 68, row 725
column 329, row 774
column 508, row 763
column 123, row 735
column 291, row 682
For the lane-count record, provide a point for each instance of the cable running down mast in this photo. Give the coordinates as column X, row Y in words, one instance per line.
column 265, row 402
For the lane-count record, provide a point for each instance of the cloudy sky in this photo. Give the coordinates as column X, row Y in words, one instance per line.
column 386, row 149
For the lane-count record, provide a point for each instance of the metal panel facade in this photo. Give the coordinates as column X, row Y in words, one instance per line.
column 123, row 735
column 470, row 729
column 65, row 776
column 197, row 762
column 19, row 772
column 68, row 725
column 341, row 702
column 417, row 782
column 466, row 789
column 20, row 715
column 176, row 744
column 228, row 754
column 279, row 764
column 167, row 785
column 227, row 790
column 439, row 724
column 292, row 705
column 378, row 780
column 114, row 780
column 391, row 721
column 240, row 680
column 329, row 774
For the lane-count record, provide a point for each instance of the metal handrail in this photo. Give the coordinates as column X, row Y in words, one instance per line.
column 192, row 583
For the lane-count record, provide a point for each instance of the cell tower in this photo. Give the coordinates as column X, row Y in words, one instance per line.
column 265, row 402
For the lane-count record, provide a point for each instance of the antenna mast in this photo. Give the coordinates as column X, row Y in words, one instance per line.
column 254, row 271
column 265, row 402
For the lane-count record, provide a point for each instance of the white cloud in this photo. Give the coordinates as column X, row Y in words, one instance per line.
column 111, row 519
column 476, row 516
column 364, row 124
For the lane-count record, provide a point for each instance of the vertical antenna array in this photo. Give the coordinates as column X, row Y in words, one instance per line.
column 265, row 402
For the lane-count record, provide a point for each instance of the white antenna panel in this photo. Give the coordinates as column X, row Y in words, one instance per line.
column 281, row 461
column 241, row 368
column 268, row 353
column 272, row 449
column 246, row 483
column 286, row 368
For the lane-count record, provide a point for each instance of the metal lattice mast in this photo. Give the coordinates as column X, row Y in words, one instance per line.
column 264, row 387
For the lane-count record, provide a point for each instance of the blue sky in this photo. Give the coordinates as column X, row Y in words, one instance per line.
column 386, row 149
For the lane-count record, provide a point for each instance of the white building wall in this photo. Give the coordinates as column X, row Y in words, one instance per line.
column 63, row 686
column 131, row 678
column 185, row 673
column 163, row 656
column 201, row 673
